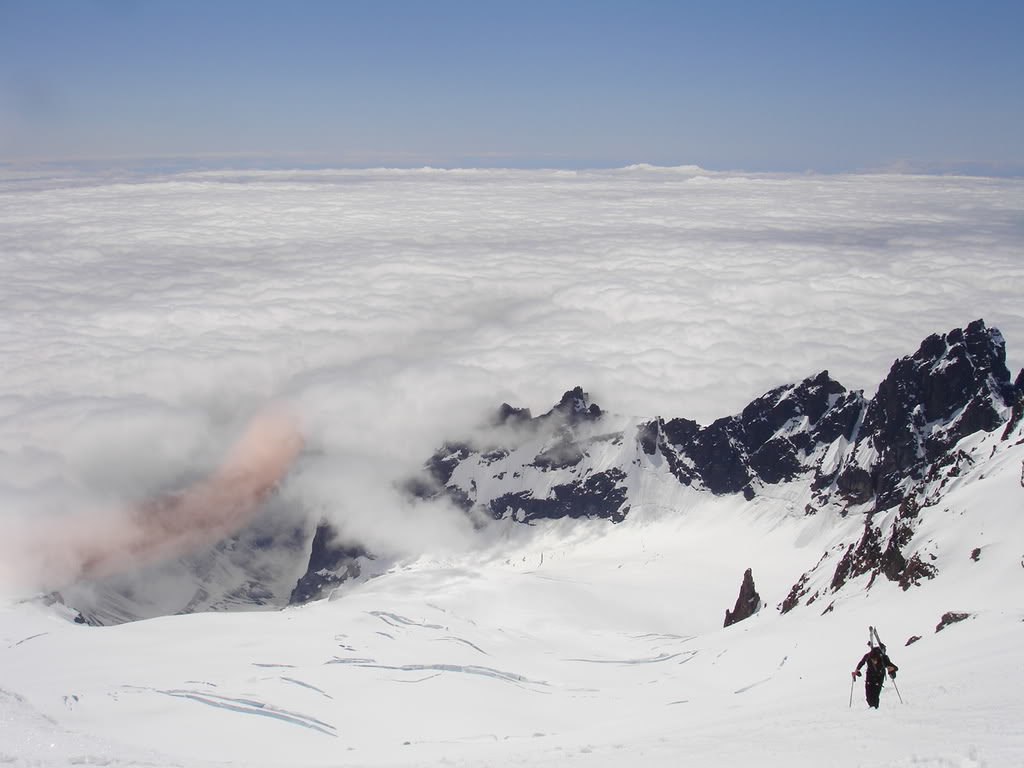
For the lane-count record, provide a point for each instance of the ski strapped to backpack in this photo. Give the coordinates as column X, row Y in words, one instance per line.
column 874, row 639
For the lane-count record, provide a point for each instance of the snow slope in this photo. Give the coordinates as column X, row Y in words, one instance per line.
column 565, row 643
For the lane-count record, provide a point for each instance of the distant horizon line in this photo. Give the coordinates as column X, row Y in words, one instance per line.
column 309, row 162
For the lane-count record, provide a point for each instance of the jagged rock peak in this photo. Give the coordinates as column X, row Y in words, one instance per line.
column 575, row 406
column 956, row 384
column 944, row 375
column 747, row 604
column 810, row 401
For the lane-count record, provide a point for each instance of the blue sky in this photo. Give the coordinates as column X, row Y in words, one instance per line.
column 788, row 86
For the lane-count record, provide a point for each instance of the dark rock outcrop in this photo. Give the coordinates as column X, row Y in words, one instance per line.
column 796, row 593
column 950, row 617
column 855, row 485
column 600, row 495
column 331, row 562
column 747, row 604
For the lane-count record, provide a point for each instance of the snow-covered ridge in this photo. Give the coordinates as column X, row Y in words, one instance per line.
column 827, row 450
column 852, row 452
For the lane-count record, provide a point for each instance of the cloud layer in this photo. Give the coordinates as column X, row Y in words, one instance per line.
column 142, row 322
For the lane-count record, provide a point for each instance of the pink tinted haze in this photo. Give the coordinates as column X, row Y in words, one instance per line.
column 79, row 545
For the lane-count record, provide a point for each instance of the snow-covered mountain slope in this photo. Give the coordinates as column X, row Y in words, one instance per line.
column 815, row 446
column 587, row 626
column 565, row 642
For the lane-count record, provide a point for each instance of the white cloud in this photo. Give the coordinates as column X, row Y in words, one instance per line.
column 141, row 322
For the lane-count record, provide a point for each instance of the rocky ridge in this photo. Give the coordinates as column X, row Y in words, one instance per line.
column 883, row 458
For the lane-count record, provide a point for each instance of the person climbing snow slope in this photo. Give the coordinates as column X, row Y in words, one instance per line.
column 878, row 663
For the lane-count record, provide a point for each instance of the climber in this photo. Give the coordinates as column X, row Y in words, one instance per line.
column 878, row 664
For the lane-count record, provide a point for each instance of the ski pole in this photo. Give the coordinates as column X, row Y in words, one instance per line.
column 893, row 678
column 853, row 682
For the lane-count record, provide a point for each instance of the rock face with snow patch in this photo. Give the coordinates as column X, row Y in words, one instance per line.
column 331, row 562
column 775, row 439
column 953, row 386
column 550, row 466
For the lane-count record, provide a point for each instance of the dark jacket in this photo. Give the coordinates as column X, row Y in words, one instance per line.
column 877, row 663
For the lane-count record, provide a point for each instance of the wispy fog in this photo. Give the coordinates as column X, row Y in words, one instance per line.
column 144, row 322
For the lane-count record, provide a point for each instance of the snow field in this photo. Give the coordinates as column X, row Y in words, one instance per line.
column 579, row 643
